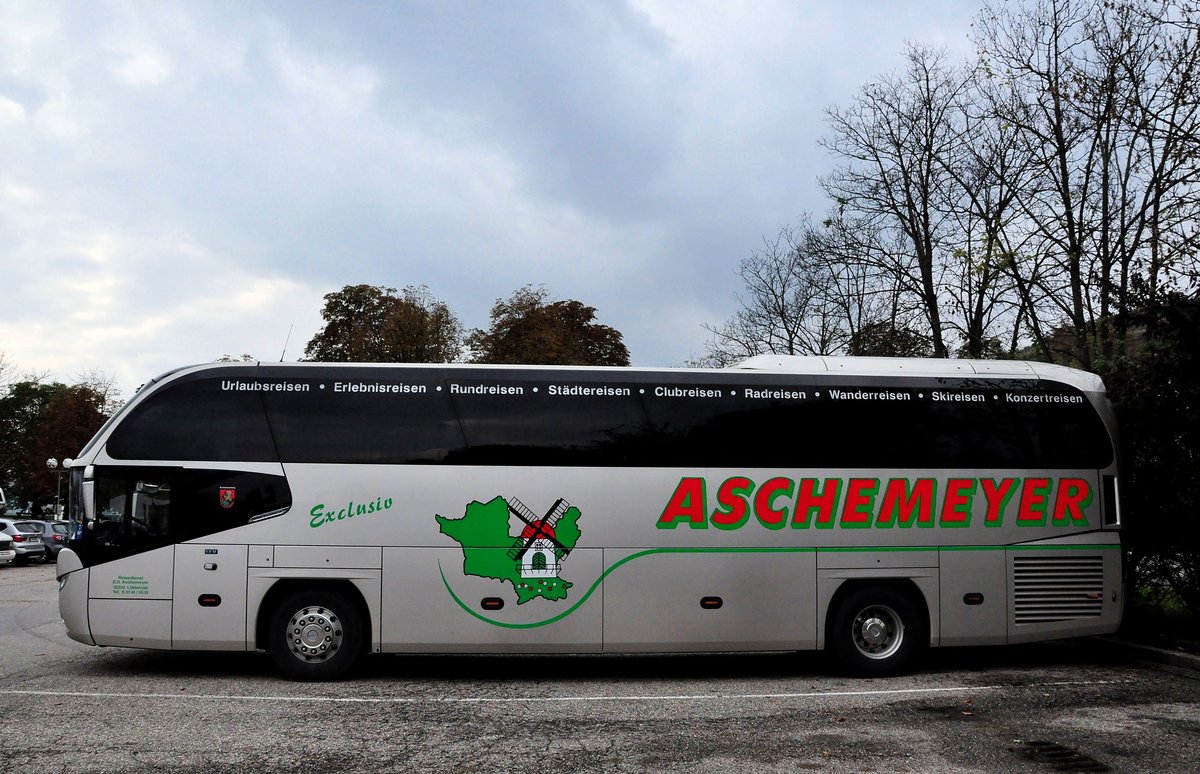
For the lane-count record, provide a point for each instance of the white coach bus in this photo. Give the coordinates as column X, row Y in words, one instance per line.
column 871, row 506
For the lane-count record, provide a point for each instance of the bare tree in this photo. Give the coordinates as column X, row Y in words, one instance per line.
column 1103, row 99
column 897, row 142
column 820, row 289
column 864, row 284
column 786, row 307
column 1033, row 198
column 1033, row 50
column 1156, row 69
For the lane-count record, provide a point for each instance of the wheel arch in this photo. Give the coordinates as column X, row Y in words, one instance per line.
column 285, row 586
column 905, row 585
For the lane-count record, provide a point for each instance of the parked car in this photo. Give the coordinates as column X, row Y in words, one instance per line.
column 8, row 554
column 26, row 538
column 54, row 536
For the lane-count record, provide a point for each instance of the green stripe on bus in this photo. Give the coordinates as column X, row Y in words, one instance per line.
column 799, row 550
column 606, row 573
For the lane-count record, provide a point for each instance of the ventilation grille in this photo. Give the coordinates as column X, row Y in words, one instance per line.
column 1064, row 588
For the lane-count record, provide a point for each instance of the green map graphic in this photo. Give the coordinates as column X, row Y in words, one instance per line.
column 490, row 550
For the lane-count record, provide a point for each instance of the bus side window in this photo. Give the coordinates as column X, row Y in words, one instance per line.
column 111, row 498
column 140, row 508
column 539, row 427
column 151, row 509
column 195, row 419
column 324, row 423
column 207, row 501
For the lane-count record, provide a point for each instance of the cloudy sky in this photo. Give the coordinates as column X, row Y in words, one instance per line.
column 182, row 180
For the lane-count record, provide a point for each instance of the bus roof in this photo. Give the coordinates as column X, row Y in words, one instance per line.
column 922, row 366
column 780, row 364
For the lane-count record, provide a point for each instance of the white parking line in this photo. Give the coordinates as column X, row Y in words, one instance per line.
column 545, row 699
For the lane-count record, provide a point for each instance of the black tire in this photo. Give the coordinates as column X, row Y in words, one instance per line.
column 877, row 631
column 315, row 634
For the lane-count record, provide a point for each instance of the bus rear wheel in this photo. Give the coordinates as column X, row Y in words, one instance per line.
column 315, row 634
column 877, row 630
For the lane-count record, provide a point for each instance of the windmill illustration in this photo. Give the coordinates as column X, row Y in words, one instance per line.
column 537, row 552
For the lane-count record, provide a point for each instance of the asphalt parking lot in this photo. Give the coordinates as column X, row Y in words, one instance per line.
column 73, row 708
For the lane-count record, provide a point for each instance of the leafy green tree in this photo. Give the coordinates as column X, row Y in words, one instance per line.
column 371, row 324
column 42, row 420
column 528, row 328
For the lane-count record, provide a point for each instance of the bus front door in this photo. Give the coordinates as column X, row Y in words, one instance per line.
column 130, row 580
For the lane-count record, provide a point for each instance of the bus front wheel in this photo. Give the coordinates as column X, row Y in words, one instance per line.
column 877, row 630
column 315, row 634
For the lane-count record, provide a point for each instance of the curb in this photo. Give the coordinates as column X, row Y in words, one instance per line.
column 1148, row 653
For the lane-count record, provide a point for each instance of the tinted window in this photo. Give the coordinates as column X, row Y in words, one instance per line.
column 572, row 420
column 207, row 417
column 737, row 422
column 207, row 501
column 140, row 508
column 775, row 422
column 365, row 415
column 680, row 419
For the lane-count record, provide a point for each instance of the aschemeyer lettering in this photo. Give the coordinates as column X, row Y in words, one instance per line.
column 857, row 503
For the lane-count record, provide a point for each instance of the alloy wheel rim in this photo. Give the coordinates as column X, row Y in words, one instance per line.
column 878, row 632
column 314, row 634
